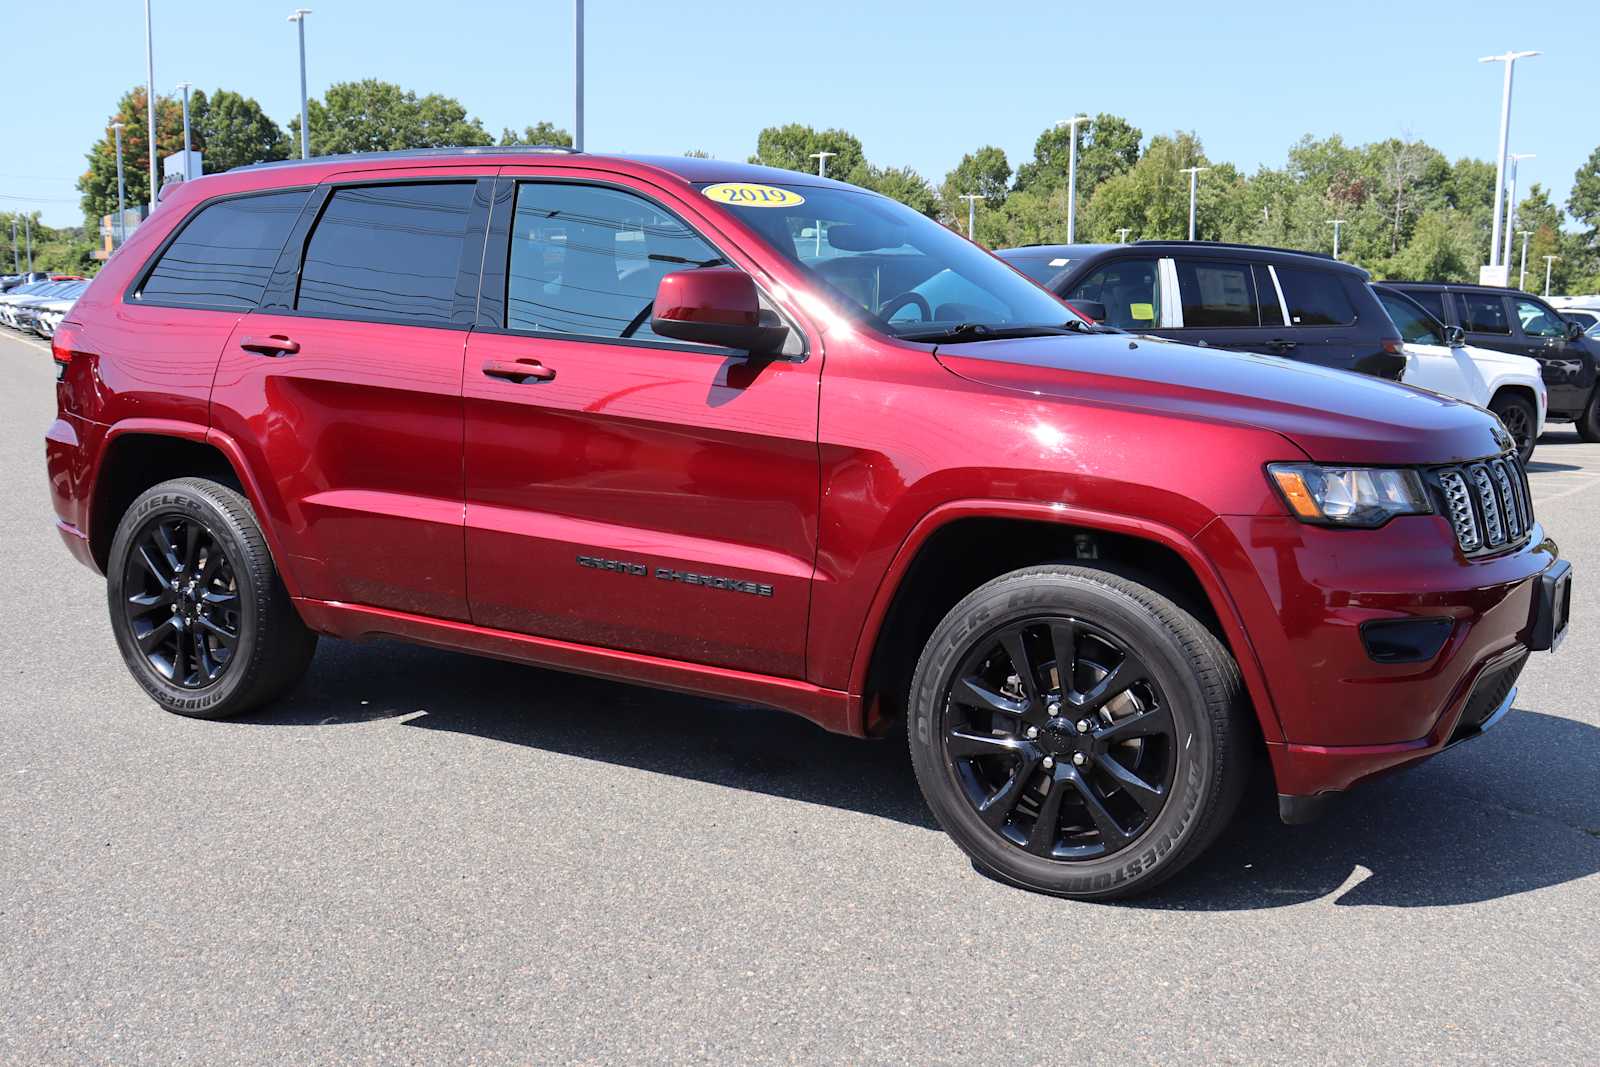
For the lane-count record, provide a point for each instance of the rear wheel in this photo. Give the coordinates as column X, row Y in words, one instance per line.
column 1076, row 732
column 199, row 612
column 1517, row 414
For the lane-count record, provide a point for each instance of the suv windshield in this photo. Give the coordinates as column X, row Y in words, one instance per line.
column 902, row 273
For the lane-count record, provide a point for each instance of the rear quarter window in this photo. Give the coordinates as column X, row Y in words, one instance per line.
column 1315, row 297
column 224, row 255
column 1483, row 313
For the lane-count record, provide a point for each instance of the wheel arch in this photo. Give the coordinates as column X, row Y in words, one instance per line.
column 939, row 563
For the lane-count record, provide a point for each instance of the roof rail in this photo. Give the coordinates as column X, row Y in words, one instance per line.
column 421, row 153
column 1236, row 244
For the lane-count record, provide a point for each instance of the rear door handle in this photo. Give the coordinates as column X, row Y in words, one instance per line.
column 275, row 345
column 1281, row 344
column 521, row 371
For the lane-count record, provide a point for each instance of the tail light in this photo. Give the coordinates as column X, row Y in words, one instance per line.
column 62, row 345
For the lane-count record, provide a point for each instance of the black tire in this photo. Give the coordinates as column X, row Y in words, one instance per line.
column 1589, row 420
column 1517, row 413
column 188, row 567
column 1206, row 758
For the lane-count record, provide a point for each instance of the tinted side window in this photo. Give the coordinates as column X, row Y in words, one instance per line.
column 1414, row 325
column 1539, row 321
column 1315, row 297
column 223, row 257
column 1271, row 310
column 1482, row 313
column 587, row 260
column 1431, row 299
column 387, row 252
column 1130, row 289
column 1217, row 294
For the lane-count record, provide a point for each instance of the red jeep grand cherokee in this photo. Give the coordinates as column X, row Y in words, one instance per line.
column 765, row 436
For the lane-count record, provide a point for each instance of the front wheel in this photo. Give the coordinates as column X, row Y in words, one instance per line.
column 1076, row 732
column 199, row 612
column 1516, row 413
column 1589, row 421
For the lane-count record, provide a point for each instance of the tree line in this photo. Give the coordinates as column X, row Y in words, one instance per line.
column 1408, row 210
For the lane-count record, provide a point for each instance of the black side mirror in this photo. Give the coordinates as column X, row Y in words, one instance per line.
column 1455, row 336
column 1574, row 331
column 1089, row 309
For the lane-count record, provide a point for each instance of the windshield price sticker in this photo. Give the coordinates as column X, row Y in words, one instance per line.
column 748, row 194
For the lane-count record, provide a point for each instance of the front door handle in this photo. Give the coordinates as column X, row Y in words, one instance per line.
column 1281, row 344
column 275, row 345
column 521, row 371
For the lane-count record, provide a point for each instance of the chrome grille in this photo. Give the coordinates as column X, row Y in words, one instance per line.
column 1487, row 503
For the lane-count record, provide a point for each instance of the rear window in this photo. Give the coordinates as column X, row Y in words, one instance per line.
column 223, row 256
column 1483, row 313
column 1315, row 297
column 1431, row 299
column 1041, row 268
column 1217, row 294
column 388, row 253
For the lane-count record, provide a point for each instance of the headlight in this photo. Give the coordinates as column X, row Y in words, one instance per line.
column 1349, row 496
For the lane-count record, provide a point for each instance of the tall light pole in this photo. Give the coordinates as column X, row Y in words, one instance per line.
column 1336, row 223
column 1510, row 60
column 27, row 230
column 1511, row 205
column 972, row 213
column 577, row 74
column 122, row 204
column 1122, row 233
column 16, row 249
column 150, row 103
column 183, row 87
column 1072, row 125
column 822, row 162
column 299, row 17
column 1547, row 261
column 1194, row 175
column 1522, row 276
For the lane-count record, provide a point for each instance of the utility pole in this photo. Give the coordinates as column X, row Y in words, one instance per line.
column 27, row 229
column 16, row 249
column 1548, row 260
column 299, row 17
column 188, row 150
column 822, row 162
column 1511, row 206
column 577, row 74
column 1194, row 175
column 150, row 104
column 1522, row 277
column 1122, row 233
column 972, row 212
column 1072, row 175
column 1510, row 60
column 122, row 204
column 1336, row 223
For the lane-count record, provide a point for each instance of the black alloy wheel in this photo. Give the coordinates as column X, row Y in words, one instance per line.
column 182, row 601
column 1060, row 738
column 1518, row 417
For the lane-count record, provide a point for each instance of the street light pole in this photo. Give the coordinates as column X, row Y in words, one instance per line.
column 27, row 230
column 122, row 206
column 1510, row 60
column 972, row 213
column 1336, row 223
column 1122, row 233
column 188, row 151
column 1522, row 277
column 150, row 103
column 1548, row 260
column 577, row 74
column 1194, row 175
column 822, row 162
column 16, row 249
column 299, row 17
column 1511, row 206
column 1072, row 125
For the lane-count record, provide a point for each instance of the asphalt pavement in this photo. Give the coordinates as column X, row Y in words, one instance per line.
column 425, row 857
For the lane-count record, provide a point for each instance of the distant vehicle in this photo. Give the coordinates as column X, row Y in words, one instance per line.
column 1582, row 316
column 11, row 281
column 31, row 314
column 1245, row 298
column 1438, row 358
column 22, row 294
column 1510, row 320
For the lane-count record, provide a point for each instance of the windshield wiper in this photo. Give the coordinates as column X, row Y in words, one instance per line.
column 983, row 331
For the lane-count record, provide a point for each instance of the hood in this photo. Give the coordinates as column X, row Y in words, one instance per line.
column 1508, row 361
column 1333, row 416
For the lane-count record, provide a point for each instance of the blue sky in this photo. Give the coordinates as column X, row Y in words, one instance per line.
column 920, row 83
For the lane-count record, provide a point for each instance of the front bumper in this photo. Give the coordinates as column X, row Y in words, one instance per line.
column 1305, row 593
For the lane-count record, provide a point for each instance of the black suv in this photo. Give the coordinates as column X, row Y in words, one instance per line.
column 1510, row 320
column 1246, row 298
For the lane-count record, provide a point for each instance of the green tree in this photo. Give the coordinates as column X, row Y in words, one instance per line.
column 984, row 172
column 233, row 131
column 541, row 133
column 65, row 250
column 378, row 116
column 902, row 184
column 1584, row 203
column 1152, row 197
column 98, row 184
column 1443, row 247
column 791, row 147
column 1107, row 146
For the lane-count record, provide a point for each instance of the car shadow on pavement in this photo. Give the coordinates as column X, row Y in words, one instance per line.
column 1509, row 813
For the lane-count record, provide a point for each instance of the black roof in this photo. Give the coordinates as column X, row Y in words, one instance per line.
column 1225, row 249
column 1457, row 285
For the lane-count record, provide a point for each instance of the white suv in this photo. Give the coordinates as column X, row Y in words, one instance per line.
column 1438, row 358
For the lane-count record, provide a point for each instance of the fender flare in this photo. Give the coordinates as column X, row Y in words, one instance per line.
column 1063, row 515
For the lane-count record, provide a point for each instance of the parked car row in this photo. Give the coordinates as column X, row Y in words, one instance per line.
column 39, row 306
column 1504, row 350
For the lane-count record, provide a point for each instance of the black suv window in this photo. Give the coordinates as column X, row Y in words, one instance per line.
column 387, row 252
column 1431, row 299
column 1315, row 297
column 586, row 260
column 1538, row 320
column 223, row 256
column 1130, row 289
column 1483, row 312
column 1217, row 294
